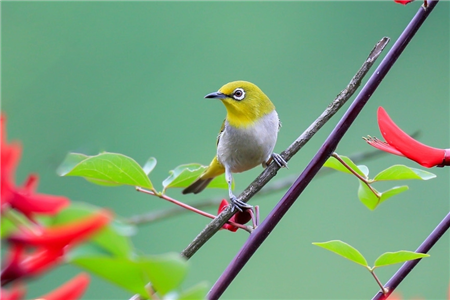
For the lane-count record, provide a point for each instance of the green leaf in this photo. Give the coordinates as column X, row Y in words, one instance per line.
column 107, row 169
column 401, row 172
column 197, row 292
column 365, row 170
column 149, row 165
column 85, row 250
column 184, row 175
column 344, row 250
column 367, row 197
column 333, row 163
column 113, row 238
column 424, row 175
column 71, row 160
column 392, row 192
column 390, row 258
column 7, row 227
column 120, row 271
column 165, row 272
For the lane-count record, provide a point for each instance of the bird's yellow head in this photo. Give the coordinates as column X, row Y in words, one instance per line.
column 244, row 101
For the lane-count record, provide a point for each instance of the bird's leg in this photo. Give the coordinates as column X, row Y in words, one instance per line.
column 279, row 160
column 235, row 202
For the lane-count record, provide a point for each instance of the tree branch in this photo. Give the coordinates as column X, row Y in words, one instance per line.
column 272, row 187
column 272, row 169
column 262, row 232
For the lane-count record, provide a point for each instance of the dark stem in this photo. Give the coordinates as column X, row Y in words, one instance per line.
column 407, row 267
column 262, row 232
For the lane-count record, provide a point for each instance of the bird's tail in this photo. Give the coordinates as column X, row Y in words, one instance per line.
column 215, row 169
column 197, row 186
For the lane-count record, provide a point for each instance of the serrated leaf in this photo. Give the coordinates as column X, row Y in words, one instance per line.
column 344, row 250
column 108, row 169
column 390, row 258
column 392, row 192
column 333, row 163
column 149, row 165
column 367, row 197
column 184, row 175
column 165, row 272
column 120, row 271
column 401, row 172
column 196, row 292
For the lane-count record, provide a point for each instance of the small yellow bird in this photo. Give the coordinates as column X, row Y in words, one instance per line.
column 246, row 139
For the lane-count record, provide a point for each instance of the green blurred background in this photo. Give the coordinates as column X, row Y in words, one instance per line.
column 130, row 77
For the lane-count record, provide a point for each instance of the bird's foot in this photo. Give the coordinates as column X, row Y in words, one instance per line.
column 279, row 160
column 239, row 205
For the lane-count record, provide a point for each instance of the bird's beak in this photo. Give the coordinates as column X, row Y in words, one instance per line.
column 218, row 95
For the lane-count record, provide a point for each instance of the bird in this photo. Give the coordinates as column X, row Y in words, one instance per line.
column 246, row 139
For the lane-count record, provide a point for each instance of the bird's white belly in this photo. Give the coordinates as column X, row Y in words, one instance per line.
column 241, row 149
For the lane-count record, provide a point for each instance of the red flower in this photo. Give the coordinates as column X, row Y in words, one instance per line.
column 404, row 2
column 16, row 293
column 51, row 245
column 24, row 199
column 399, row 143
column 240, row 217
column 10, row 156
column 71, row 290
column 60, row 236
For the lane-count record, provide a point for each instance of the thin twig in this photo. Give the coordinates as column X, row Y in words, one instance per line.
column 383, row 289
column 262, row 232
column 335, row 155
column 272, row 169
column 272, row 187
column 190, row 208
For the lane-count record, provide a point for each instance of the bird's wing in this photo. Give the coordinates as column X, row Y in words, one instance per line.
column 222, row 128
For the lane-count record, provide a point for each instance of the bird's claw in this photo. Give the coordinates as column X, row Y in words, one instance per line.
column 239, row 205
column 279, row 160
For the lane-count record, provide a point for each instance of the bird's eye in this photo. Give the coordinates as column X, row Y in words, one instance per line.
column 238, row 94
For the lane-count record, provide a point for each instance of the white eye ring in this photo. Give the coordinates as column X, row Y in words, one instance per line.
column 239, row 94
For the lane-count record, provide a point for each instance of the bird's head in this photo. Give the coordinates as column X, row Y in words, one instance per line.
column 244, row 101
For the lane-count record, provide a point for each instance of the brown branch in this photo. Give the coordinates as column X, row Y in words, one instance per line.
column 272, row 169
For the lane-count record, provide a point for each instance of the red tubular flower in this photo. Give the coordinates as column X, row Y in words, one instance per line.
column 24, row 199
column 71, row 290
column 29, row 203
column 16, row 293
column 51, row 245
column 399, row 143
column 240, row 217
column 10, row 156
column 404, row 2
column 60, row 236
column 21, row 264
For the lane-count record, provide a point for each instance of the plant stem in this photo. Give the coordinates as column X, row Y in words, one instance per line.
column 335, row 155
column 383, row 289
column 262, row 232
column 191, row 208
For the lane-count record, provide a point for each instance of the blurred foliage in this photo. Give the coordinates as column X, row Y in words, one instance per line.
column 129, row 77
